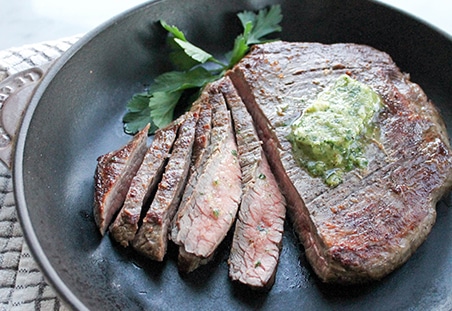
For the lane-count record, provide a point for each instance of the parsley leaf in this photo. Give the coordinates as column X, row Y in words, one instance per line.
column 138, row 115
column 162, row 105
column 264, row 23
column 173, row 30
column 182, row 80
column 255, row 28
column 157, row 105
column 240, row 46
column 178, row 58
column 195, row 53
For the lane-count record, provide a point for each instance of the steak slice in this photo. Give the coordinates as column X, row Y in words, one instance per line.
column 202, row 131
column 210, row 201
column 260, row 224
column 143, row 185
column 371, row 223
column 152, row 237
column 113, row 176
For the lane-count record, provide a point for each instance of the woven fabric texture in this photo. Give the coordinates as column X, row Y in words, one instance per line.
column 22, row 285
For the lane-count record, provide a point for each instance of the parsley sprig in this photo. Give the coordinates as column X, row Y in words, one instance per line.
column 196, row 68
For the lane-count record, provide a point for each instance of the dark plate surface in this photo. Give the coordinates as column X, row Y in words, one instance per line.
column 76, row 114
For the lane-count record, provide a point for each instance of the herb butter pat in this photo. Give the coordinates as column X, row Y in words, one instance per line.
column 330, row 136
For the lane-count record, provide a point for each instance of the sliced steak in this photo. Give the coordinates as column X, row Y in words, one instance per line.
column 113, row 176
column 124, row 228
column 260, row 224
column 210, row 202
column 203, row 129
column 371, row 223
column 152, row 237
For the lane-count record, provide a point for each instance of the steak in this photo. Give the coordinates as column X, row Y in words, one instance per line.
column 202, row 131
column 202, row 140
column 373, row 221
column 260, row 224
column 152, row 237
column 113, row 176
column 143, row 185
column 210, row 201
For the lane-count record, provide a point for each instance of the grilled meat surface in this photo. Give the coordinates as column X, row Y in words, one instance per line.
column 371, row 223
column 260, row 224
column 113, row 176
column 143, row 185
column 152, row 237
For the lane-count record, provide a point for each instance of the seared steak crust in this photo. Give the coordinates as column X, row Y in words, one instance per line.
column 152, row 237
column 124, row 228
column 113, row 176
column 260, row 224
column 372, row 222
column 210, row 202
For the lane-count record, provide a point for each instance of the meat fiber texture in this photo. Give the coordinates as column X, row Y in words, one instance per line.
column 202, row 130
column 370, row 224
column 259, row 227
column 212, row 195
column 152, row 237
column 114, row 173
column 143, row 185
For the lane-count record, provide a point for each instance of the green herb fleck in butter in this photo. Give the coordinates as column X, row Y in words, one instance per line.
column 329, row 137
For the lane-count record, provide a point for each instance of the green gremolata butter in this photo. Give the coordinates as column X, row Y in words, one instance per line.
column 330, row 136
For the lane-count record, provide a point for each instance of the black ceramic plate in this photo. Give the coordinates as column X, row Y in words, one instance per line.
column 76, row 114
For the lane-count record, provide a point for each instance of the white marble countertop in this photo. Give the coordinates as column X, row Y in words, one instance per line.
column 31, row 21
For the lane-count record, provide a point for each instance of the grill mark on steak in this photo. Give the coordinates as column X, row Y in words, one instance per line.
column 124, row 228
column 208, row 209
column 113, row 176
column 152, row 237
column 371, row 223
column 260, row 224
